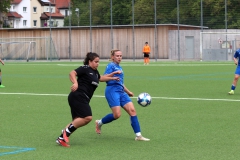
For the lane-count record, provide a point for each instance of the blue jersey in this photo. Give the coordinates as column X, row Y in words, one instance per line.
column 237, row 56
column 114, row 92
column 111, row 67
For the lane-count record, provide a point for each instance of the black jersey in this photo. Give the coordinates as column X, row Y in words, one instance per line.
column 88, row 80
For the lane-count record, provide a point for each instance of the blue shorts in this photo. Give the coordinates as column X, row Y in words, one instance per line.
column 116, row 96
column 237, row 70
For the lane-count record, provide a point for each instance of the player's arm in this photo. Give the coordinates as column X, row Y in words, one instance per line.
column 235, row 60
column 128, row 91
column 109, row 77
column 105, row 78
column 112, row 74
column 2, row 62
column 73, row 79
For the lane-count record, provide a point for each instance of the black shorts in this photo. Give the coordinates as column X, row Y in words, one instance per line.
column 79, row 105
column 145, row 55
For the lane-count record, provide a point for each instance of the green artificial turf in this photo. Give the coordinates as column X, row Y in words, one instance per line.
column 191, row 116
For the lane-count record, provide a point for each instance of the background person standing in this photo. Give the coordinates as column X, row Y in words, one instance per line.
column 146, row 52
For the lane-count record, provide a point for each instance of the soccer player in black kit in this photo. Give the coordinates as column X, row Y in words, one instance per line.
column 82, row 90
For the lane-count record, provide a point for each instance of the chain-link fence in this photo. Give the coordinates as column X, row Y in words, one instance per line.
column 212, row 14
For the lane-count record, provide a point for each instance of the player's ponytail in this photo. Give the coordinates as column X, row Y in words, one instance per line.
column 90, row 56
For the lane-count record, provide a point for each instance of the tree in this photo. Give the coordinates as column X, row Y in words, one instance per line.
column 5, row 5
column 166, row 12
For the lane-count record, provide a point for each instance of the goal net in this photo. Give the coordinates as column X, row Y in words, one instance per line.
column 32, row 48
column 218, row 46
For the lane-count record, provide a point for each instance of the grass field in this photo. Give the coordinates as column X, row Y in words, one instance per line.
column 191, row 116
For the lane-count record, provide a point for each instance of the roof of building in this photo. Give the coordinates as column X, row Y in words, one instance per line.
column 14, row 14
column 46, row 2
column 16, row 1
column 47, row 15
column 62, row 4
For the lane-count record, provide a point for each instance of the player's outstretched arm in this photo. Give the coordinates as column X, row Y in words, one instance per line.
column 105, row 78
column 109, row 77
column 112, row 74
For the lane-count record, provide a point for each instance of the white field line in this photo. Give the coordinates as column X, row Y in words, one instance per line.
column 99, row 96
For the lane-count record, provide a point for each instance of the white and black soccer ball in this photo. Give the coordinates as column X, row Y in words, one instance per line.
column 144, row 99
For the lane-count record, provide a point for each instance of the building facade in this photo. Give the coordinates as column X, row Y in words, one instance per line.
column 37, row 13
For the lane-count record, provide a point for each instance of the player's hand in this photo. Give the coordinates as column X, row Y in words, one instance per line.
column 116, row 78
column 130, row 94
column 74, row 87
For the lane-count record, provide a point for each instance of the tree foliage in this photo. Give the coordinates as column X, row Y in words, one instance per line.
column 166, row 12
column 4, row 5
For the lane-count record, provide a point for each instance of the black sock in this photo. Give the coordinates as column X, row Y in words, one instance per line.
column 61, row 136
column 70, row 130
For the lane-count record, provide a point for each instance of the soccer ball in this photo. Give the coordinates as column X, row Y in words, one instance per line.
column 144, row 99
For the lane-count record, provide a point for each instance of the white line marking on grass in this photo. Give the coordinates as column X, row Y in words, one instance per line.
column 34, row 94
column 99, row 96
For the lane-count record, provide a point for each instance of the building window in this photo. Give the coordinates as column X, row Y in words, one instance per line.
column 66, row 13
column 51, row 10
column 35, row 23
column 51, row 23
column 34, row 9
column 24, row 22
column 24, row 9
column 13, row 7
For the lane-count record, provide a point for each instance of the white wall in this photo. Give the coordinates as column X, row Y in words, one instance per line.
column 26, row 15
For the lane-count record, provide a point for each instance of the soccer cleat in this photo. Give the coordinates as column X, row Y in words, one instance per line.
column 98, row 127
column 141, row 138
column 2, row 86
column 65, row 137
column 61, row 142
column 231, row 92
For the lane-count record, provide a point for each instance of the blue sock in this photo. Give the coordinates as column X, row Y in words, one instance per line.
column 108, row 118
column 233, row 87
column 135, row 124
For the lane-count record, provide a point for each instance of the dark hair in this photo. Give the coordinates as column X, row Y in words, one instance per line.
column 146, row 42
column 90, row 56
column 113, row 52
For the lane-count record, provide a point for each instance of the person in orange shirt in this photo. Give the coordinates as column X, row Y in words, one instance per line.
column 146, row 52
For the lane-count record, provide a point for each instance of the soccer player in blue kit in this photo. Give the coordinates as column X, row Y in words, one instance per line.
column 236, row 59
column 85, row 80
column 117, row 96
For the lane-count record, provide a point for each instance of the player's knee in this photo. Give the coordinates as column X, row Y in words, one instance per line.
column 88, row 119
column 132, row 112
column 117, row 115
